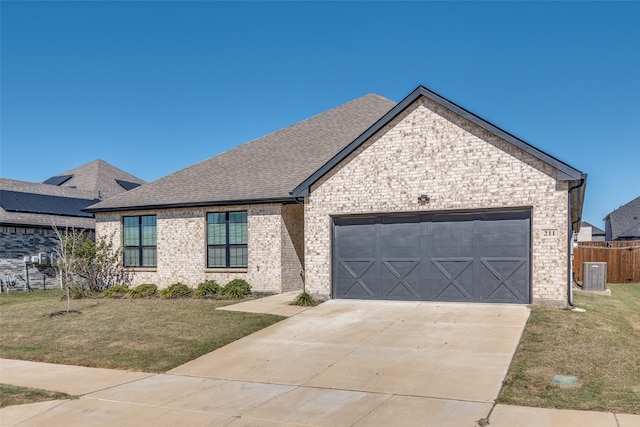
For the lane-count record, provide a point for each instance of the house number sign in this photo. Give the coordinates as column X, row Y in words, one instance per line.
column 549, row 232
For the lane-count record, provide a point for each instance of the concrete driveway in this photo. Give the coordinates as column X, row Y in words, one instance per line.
column 343, row 363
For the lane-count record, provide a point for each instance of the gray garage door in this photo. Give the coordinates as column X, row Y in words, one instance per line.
column 476, row 257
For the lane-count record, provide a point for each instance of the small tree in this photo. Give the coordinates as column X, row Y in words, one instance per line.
column 65, row 254
column 89, row 265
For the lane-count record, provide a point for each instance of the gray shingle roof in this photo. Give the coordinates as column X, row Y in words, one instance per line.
column 99, row 178
column 265, row 169
column 625, row 221
column 594, row 230
column 89, row 181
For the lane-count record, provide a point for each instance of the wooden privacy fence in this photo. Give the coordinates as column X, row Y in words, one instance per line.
column 612, row 244
column 623, row 262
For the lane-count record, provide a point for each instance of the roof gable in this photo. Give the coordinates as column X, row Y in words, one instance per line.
column 625, row 220
column 565, row 172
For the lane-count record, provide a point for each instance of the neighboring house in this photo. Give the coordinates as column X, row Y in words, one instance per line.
column 29, row 211
column 589, row 233
column 420, row 200
column 624, row 222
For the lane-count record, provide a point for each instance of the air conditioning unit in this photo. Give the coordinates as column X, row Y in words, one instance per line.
column 594, row 275
column 43, row 258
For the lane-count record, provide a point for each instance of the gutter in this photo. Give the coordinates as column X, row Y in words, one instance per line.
column 283, row 200
column 570, row 245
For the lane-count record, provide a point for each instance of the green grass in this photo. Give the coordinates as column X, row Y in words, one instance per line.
column 14, row 395
column 148, row 335
column 600, row 347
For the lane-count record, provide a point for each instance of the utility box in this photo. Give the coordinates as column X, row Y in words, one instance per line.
column 594, row 276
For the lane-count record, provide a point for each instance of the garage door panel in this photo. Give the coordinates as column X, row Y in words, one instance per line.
column 450, row 239
column 400, row 279
column 358, row 278
column 357, row 240
column 482, row 257
column 397, row 239
column 452, row 279
column 503, row 279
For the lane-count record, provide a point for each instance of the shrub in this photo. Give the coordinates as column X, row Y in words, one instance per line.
column 78, row 292
column 304, row 299
column 143, row 291
column 236, row 289
column 117, row 291
column 207, row 288
column 176, row 290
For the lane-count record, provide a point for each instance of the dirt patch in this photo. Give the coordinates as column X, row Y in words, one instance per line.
column 61, row 313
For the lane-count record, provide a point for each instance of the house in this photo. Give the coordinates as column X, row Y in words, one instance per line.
column 624, row 222
column 29, row 212
column 589, row 233
column 420, row 200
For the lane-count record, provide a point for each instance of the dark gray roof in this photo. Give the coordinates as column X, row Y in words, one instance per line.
column 632, row 233
column 565, row 172
column 15, row 218
column 263, row 170
column 58, row 200
column 625, row 221
column 16, row 201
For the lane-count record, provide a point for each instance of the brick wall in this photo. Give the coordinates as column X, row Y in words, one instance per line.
column 430, row 150
column 15, row 244
column 182, row 245
column 15, row 274
column 292, row 247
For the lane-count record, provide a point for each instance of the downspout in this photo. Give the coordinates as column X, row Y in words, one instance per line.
column 570, row 246
column 300, row 200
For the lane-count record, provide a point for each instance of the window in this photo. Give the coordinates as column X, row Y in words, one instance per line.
column 227, row 239
column 140, row 241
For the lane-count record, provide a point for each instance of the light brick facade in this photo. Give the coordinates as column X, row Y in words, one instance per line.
column 275, row 235
column 430, row 150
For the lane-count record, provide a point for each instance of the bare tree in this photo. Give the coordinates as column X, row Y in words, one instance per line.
column 86, row 265
column 65, row 255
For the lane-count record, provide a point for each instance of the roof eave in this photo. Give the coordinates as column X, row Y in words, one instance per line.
column 285, row 200
column 577, row 201
column 565, row 172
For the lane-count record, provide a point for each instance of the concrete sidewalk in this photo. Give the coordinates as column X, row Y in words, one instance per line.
column 279, row 304
column 206, row 402
column 343, row 363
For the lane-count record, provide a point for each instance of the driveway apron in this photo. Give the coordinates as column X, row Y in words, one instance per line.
column 344, row 362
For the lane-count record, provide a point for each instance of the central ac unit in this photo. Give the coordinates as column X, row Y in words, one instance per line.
column 594, row 276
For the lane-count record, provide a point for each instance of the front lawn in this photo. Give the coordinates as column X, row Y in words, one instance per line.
column 148, row 335
column 600, row 347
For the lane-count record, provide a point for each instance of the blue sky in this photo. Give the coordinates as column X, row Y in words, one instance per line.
column 153, row 87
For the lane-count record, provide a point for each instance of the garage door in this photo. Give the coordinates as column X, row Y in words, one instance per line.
column 475, row 257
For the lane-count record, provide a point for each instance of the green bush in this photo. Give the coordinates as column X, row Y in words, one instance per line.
column 304, row 299
column 78, row 292
column 207, row 288
column 117, row 291
column 143, row 291
column 236, row 289
column 176, row 290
